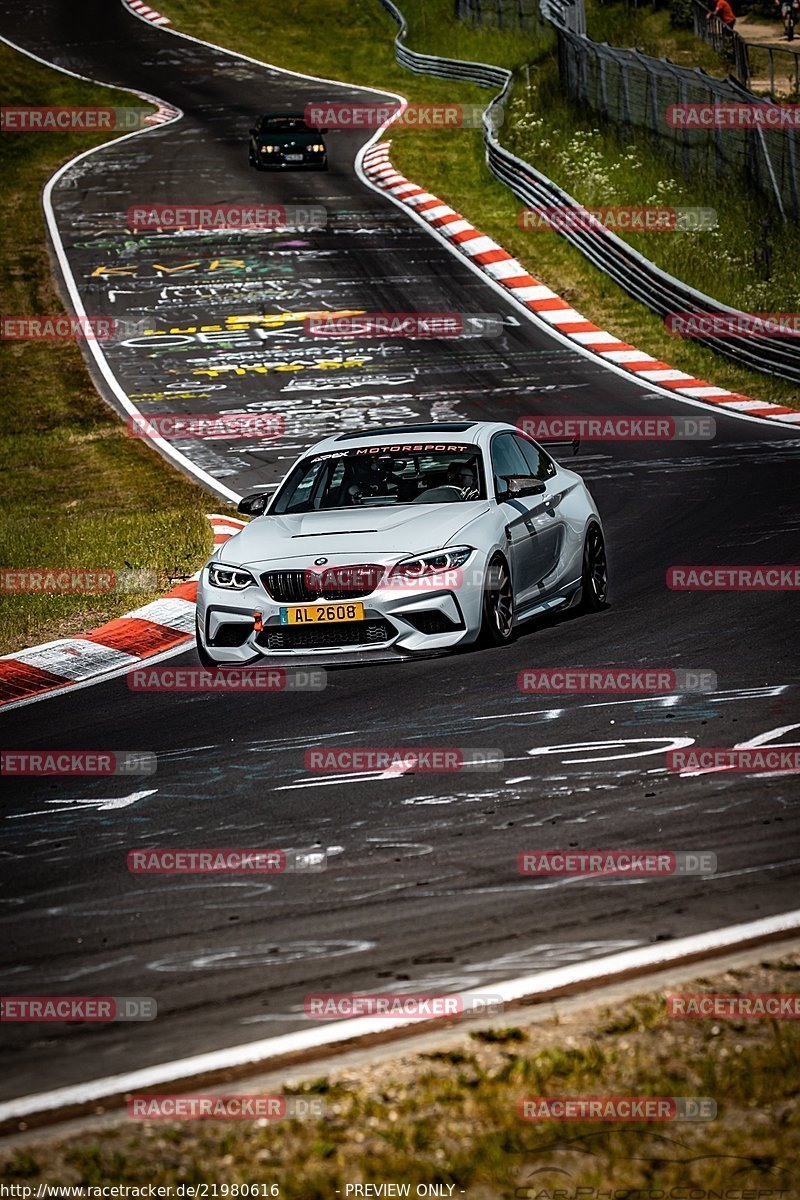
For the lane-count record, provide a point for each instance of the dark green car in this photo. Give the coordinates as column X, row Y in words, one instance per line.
column 282, row 141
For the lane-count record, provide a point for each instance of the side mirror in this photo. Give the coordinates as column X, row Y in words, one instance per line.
column 253, row 506
column 254, row 131
column 522, row 485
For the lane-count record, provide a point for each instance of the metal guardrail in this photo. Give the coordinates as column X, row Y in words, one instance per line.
column 660, row 292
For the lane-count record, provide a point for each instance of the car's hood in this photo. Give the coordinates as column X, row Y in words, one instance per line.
column 351, row 532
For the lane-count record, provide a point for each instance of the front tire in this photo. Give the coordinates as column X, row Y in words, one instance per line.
column 497, row 624
column 594, row 576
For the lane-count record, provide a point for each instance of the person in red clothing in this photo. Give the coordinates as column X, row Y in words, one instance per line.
column 723, row 10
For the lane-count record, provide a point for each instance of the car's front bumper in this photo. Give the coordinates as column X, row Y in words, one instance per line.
column 396, row 622
column 278, row 162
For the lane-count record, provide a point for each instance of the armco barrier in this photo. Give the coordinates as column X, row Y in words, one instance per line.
column 640, row 278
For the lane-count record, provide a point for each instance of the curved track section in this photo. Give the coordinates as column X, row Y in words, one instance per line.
column 422, row 890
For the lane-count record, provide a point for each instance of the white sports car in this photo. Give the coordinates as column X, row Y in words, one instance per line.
column 399, row 541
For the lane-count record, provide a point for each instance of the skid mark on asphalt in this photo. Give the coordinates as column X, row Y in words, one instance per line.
column 265, row 955
column 543, row 956
column 727, row 456
column 95, row 969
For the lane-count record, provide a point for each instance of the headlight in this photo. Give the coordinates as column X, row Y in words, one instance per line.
column 432, row 564
column 268, row 149
column 233, row 578
column 318, row 148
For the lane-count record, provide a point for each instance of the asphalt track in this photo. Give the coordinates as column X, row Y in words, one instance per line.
column 422, row 891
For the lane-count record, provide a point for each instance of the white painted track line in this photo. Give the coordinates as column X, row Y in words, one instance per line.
column 542, row 985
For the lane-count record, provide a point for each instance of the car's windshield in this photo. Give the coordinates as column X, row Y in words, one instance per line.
column 378, row 476
column 284, row 124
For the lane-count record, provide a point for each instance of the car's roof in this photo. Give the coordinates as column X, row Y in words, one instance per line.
column 468, row 432
column 284, row 116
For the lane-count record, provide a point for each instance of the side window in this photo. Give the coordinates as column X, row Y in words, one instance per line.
column 507, row 459
column 539, row 462
column 300, row 486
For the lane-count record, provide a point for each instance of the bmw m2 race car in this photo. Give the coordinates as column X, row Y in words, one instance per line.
column 399, row 541
column 281, row 140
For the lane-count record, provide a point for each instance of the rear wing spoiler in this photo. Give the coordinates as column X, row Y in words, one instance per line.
column 575, row 443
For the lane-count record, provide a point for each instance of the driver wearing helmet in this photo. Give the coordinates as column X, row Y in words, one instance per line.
column 463, row 476
column 371, row 477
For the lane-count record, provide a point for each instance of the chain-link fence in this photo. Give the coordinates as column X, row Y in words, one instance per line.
column 521, row 14
column 760, row 67
column 504, row 14
column 636, row 92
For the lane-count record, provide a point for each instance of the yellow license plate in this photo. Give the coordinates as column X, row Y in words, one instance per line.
column 313, row 614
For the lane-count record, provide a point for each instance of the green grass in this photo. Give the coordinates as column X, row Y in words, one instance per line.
column 77, row 491
column 451, row 163
column 650, row 30
column 450, row 1117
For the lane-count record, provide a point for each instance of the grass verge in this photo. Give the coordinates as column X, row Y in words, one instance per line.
column 451, row 163
column 651, row 30
column 78, row 492
column 450, row 1117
